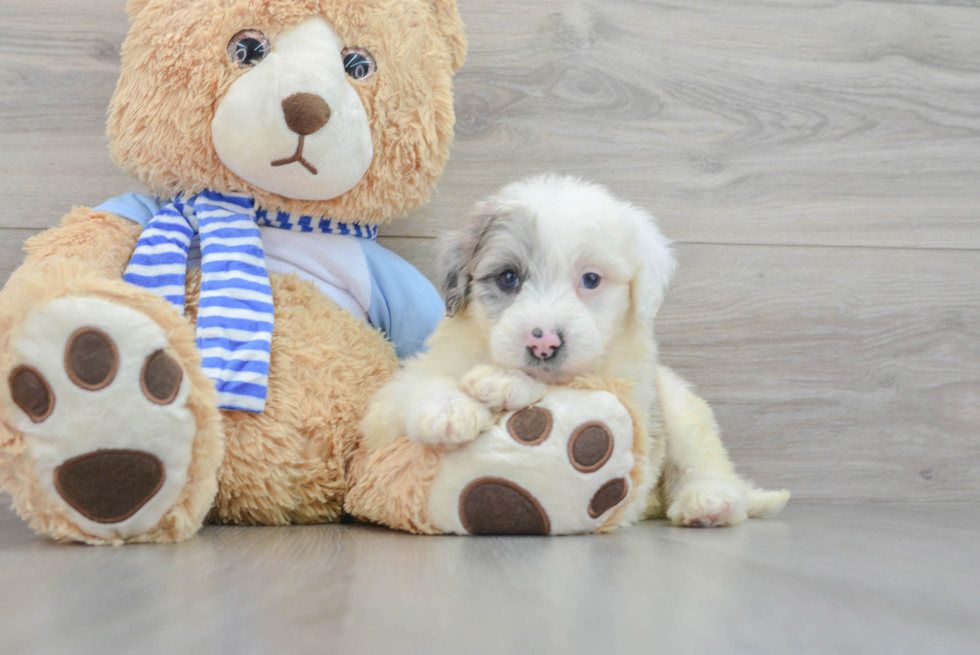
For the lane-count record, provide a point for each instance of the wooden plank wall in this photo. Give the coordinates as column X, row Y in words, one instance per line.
column 817, row 162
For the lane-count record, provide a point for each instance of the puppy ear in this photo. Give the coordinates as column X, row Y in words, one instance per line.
column 447, row 15
column 455, row 254
column 457, row 251
column 656, row 267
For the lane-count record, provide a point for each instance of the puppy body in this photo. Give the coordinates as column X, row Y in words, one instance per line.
column 554, row 278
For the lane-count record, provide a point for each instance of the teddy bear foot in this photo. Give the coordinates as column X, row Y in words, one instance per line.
column 563, row 466
column 99, row 404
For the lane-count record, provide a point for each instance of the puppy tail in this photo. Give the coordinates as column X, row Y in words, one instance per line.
column 762, row 503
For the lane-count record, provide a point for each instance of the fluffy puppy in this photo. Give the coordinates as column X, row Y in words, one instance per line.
column 551, row 279
column 554, row 278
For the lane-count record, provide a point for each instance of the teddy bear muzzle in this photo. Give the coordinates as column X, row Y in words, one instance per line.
column 294, row 124
column 305, row 114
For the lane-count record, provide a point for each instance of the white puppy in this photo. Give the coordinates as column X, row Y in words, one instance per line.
column 555, row 278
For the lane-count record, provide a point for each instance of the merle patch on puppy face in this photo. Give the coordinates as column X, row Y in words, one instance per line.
column 489, row 259
column 502, row 264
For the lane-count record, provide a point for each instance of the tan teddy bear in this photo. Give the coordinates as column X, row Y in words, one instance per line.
column 275, row 135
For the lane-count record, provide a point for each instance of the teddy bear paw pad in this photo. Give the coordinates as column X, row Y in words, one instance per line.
column 103, row 408
column 559, row 467
column 530, row 426
column 498, row 506
column 109, row 486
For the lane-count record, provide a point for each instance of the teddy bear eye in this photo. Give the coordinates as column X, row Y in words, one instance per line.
column 248, row 47
column 358, row 63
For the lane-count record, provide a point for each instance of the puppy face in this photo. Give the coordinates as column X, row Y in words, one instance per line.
column 555, row 270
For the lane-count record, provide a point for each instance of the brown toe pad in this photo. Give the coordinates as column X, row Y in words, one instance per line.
column 91, row 359
column 530, row 426
column 609, row 495
column 498, row 506
column 161, row 378
column 32, row 393
column 590, row 447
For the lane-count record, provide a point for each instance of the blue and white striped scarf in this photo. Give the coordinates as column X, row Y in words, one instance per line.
column 235, row 313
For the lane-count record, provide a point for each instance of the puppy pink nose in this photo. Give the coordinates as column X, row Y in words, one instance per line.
column 543, row 345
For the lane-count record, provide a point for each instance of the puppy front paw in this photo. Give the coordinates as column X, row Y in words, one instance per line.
column 708, row 503
column 447, row 419
column 502, row 390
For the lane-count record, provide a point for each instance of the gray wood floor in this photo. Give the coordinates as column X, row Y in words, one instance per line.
column 818, row 162
column 821, row 578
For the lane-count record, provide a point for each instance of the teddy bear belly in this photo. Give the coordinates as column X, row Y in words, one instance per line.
column 287, row 464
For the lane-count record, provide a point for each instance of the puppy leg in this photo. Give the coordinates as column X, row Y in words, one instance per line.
column 445, row 417
column 502, row 390
column 700, row 485
column 424, row 402
column 431, row 411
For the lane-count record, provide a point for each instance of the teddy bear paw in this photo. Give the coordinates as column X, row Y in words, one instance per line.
column 102, row 404
column 708, row 503
column 559, row 467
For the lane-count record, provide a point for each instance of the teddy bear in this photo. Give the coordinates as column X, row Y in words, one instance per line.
column 206, row 353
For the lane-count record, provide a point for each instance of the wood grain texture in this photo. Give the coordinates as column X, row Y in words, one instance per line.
column 954, row 3
column 815, row 122
column 844, row 123
column 58, row 67
column 843, row 373
column 817, row 579
column 11, row 250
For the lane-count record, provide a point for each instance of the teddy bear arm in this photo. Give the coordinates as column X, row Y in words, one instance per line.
column 102, row 239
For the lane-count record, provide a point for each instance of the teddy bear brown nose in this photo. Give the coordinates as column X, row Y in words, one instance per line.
column 305, row 113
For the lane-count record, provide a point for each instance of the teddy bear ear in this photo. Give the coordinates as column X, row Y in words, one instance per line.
column 447, row 14
column 134, row 7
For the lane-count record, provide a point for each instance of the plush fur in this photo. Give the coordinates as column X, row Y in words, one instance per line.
column 288, row 464
column 43, row 281
column 160, row 118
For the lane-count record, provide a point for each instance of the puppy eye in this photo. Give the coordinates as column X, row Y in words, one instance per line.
column 358, row 63
column 508, row 281
column 591, row 280
column 248, row 47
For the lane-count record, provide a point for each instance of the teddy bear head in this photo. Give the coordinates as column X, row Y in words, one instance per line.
column 339, row 108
